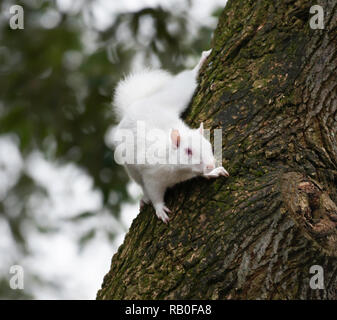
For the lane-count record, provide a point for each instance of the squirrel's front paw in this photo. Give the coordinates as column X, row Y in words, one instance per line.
column 215, row 173
column 161, row 212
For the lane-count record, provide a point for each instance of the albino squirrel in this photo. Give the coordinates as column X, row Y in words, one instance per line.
column 156, row 99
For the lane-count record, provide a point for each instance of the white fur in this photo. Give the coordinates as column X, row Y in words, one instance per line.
column 137, row 86
column 157, row 98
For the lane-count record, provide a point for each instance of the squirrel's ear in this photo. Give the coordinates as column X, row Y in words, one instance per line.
column 175, row 138
column 201, row 128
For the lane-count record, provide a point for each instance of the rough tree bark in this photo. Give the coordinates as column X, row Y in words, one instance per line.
column 270, row 84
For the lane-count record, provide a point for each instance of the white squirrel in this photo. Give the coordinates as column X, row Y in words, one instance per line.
column 156, row 98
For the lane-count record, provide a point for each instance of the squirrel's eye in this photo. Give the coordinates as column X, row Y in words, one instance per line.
column 189, row 151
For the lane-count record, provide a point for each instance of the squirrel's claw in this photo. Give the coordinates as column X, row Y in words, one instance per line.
column 215, row 173
column 161, row 213
column 166, row 209
column 223, row 172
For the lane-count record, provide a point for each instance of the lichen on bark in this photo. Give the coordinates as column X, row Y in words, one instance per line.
column 270, row 85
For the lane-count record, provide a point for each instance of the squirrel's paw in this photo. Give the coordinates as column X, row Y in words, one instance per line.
column 145, row 200
column 161, row 212
column 215, row 173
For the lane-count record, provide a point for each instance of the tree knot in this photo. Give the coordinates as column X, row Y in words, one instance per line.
column 312, row 208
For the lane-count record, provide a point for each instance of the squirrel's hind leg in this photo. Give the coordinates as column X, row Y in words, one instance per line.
column 156, row 192
column 144, row 200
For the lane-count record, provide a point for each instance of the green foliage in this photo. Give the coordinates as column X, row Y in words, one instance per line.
column 56, row 85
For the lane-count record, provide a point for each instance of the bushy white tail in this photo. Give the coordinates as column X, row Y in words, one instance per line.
column 137, row 86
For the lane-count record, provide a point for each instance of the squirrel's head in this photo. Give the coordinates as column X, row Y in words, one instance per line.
column 193, row 149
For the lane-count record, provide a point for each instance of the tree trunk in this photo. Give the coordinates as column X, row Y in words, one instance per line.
column 270, row 84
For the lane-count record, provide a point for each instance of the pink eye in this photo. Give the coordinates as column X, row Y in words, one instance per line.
column 189, row 151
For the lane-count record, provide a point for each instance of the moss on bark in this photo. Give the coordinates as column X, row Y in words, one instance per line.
column 270, row 85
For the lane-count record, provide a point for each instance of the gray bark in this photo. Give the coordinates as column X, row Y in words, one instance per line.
column 271, row 86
